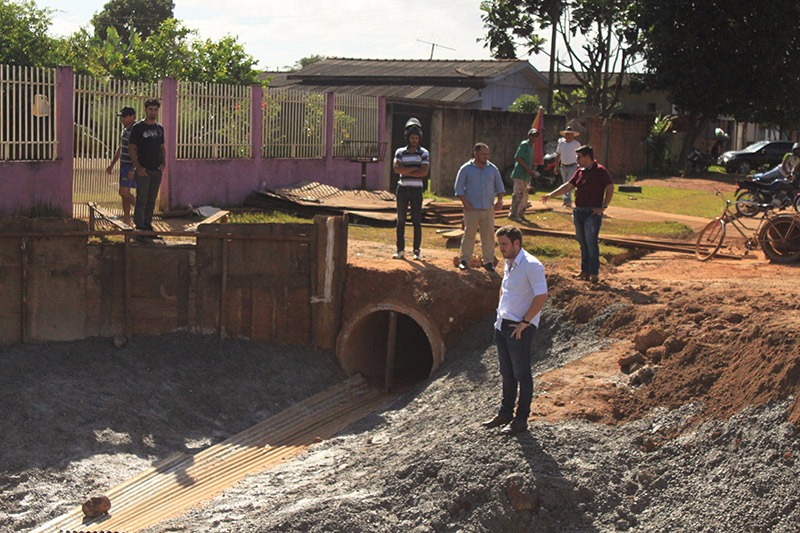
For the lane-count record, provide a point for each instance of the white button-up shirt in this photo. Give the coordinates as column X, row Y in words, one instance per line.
column 523, row 279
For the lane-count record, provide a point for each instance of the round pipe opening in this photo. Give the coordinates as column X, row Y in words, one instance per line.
column 392, row 346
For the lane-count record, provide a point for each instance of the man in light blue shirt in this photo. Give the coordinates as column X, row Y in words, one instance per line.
column 523, row 294
column 477, row 183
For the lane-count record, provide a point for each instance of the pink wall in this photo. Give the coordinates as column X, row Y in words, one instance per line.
column 198, row 182
column 24, row 185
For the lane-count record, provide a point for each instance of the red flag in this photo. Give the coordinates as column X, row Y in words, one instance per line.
column 538, row 143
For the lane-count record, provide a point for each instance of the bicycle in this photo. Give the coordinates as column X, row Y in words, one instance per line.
column 777, row 235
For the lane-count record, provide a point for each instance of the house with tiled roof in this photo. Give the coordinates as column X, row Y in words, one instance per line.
column 468, row 84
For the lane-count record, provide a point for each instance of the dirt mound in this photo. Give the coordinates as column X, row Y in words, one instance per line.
column 695, row 437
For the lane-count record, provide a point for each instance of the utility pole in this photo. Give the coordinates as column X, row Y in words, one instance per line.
column 434, row 45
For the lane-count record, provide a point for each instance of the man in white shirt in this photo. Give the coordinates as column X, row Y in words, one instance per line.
column 567, row 158
column 524, row 293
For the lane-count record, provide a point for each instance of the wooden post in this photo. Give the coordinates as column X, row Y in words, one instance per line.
column 223, row 287
column 24, row 292
column 328, row 279
column 126, row 250
column 391, row 341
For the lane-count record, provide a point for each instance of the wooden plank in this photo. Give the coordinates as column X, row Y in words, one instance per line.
column 106, row 215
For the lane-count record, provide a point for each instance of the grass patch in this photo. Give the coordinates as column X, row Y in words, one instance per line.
column 44, row 210
column 663, row 230
column 265, row 217
column 691, row 202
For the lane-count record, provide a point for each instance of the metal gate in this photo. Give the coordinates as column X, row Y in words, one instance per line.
column 97, row 136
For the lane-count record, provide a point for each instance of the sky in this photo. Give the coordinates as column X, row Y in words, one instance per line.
column 278, row 34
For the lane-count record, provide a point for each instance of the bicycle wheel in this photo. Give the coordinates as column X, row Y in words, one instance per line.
column 780, row 239
column 710, row 240
column 747, row 203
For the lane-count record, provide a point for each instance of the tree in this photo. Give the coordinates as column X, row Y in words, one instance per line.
column 173, row 50
column 306, row 61
column 526, row 103
column 142, row 17
column 731, row 57
column 23, row 34
column 600, row 64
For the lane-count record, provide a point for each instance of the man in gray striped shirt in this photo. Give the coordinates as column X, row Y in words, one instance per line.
column 412, row 163
column 127, row 179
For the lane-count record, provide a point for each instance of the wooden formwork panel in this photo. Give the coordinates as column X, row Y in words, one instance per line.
column 44, row 280
column 259, row 282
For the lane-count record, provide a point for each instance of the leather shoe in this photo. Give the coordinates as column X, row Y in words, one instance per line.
column 496, row 422
column 489, row 267
column 462, row 265
column 582, row 275
column 514, row 427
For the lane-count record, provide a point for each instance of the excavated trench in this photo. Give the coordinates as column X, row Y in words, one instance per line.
column 391, row 345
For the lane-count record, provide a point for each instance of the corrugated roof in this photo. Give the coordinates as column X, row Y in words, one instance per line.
column 457, row 71
column 418, row 93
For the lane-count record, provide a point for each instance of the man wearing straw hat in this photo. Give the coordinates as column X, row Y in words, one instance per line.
column 567, row 158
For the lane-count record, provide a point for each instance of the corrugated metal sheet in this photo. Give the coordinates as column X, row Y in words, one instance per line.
column 181, row 481
column 377, row 68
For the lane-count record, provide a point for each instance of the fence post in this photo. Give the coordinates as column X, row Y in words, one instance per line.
column 330, row 100
column 65, row 140
column 169, row 119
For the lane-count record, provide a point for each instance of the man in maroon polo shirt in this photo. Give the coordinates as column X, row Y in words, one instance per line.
column 593, row 192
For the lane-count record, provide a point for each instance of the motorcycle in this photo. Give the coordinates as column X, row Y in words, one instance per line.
column 548, row 177
column 755, row 196
column 698, row 162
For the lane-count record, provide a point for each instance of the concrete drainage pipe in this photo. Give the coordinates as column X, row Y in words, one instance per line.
column 391, row 345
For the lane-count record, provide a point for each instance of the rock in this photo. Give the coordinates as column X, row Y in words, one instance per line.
column 656, row 354
column 642, row 376
column 647, row 338
column 632, row 357
column 674, row 345
column 96, row 506
column 521, row 497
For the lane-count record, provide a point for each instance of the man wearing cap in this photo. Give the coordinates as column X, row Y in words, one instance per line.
column 127, row 180
column 567, row 159
column 593, row 192
column 522, row 174
column 411, row 162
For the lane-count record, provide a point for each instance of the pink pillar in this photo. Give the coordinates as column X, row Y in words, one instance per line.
column 65, row 149
column 169, row 119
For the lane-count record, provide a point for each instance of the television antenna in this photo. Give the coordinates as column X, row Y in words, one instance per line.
column 434, row 45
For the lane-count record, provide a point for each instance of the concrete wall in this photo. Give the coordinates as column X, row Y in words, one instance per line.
column 620, row 145
column 457, row 130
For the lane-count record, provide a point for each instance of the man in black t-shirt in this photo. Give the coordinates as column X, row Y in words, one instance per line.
column 146, row 148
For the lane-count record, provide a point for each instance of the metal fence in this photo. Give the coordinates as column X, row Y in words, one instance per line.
column 214, row 121
column 294, row 124
column 355, row 122
column 27, row 113
column 97, row 136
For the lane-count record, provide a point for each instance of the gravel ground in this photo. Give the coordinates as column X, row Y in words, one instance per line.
column 80, row 417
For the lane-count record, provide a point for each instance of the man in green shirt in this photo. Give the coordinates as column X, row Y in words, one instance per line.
column 522, row 174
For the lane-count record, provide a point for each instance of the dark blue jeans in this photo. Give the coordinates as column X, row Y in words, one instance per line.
column 146, row 194
column 587, row 229
column 514, row 356
column 406, row 195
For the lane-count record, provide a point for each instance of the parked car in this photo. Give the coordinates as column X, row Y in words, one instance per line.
column 757, row 155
